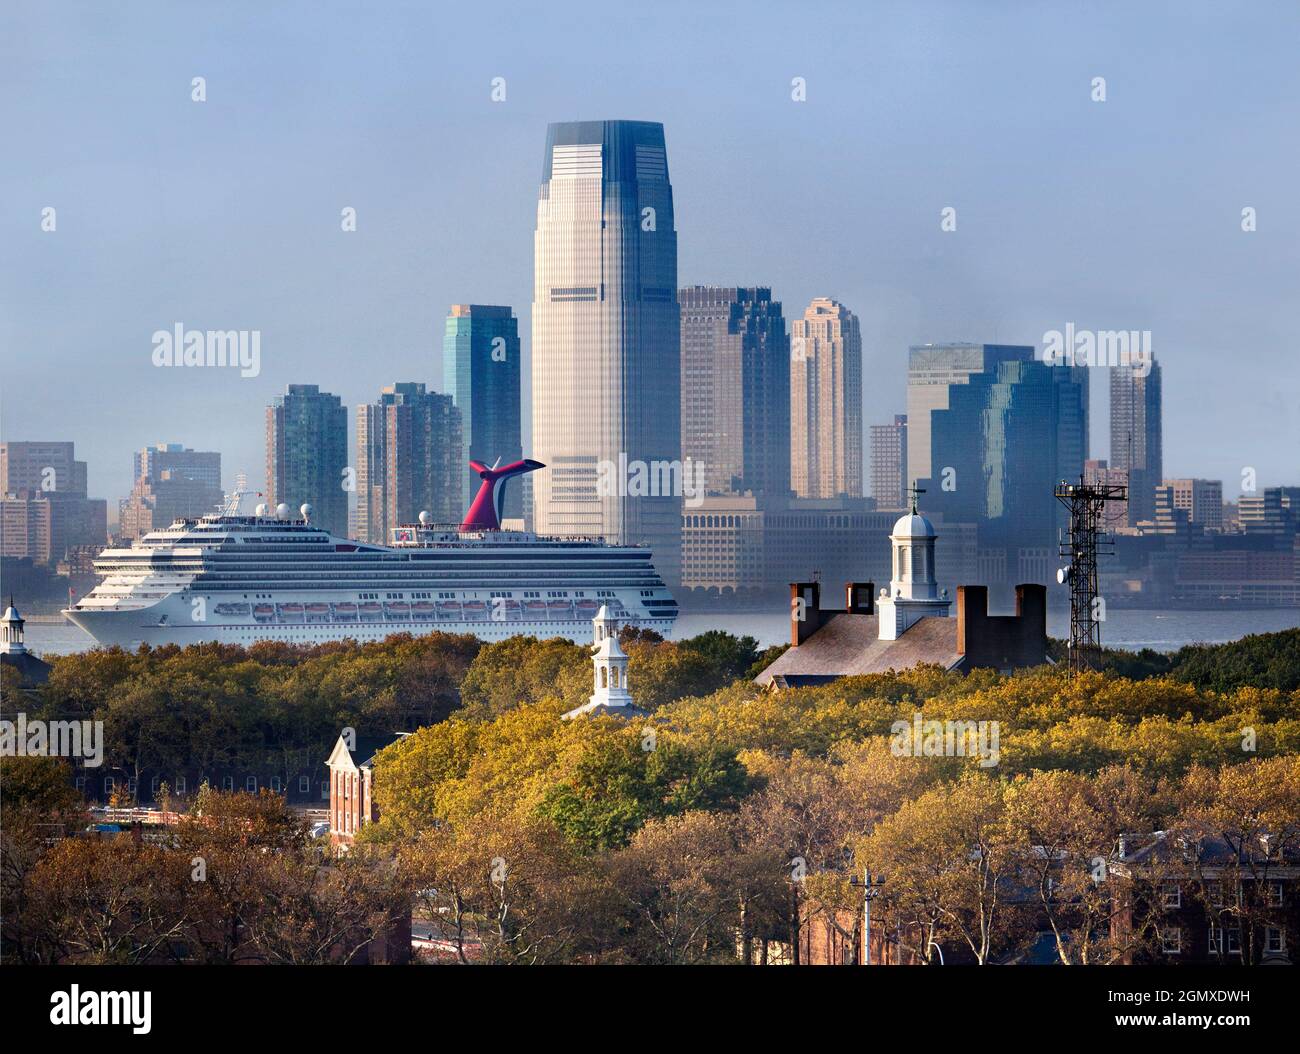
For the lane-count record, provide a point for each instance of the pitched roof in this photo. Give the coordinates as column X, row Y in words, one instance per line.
column 363, row 752
column 849, row 644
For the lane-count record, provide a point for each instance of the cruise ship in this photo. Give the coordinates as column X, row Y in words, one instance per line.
column 240, row 579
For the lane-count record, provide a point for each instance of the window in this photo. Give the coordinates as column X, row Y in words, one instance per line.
column 1216, row 941
column 304, row 784
column 109, row 785
column 1214, row 894
column 1171, row 940
column 81, row 784
column 324, row 790
column 1173, row 895
column 1275, row 939
column 180, row 784
column 228, row 783
column 153, row 786
column 275, row 784
column 1275, row 894
column 250, row 784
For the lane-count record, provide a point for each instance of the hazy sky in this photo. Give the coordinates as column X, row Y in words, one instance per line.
column 1123, row 214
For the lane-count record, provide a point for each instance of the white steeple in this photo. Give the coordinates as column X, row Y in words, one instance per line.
column 913, row 592
column 610, row 694
column 12, row 624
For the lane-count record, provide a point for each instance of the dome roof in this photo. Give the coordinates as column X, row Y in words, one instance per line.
column 913, row 525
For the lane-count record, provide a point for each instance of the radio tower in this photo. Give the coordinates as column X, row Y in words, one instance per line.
column 1083, row 543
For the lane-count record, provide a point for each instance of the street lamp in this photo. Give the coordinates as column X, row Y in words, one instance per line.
column 871, row 888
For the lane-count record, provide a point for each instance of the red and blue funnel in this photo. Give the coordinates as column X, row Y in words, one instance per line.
column 483, row 513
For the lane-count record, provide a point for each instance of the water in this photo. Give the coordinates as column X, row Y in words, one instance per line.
column 1127, row 628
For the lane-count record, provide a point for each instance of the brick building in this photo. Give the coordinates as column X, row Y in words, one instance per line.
column 351, row 767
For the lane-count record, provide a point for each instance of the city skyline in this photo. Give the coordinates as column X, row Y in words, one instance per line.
column 322, row 314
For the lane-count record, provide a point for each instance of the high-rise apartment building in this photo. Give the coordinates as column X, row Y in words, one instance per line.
column 410, row 457
column 171, row 482
column 480, row 354
column 889, row 479
column 735, row 378
column 605, row 347
column 826, row 402
column 46, row 510
column 307, row 455
column 1136, row 445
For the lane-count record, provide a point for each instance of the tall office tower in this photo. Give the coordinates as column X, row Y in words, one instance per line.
column 1135, row 434
column 605, row 350
column 889, row 480
column 932, row 372
column 307, row 455
column 480, row 354
column 171, row 482
column 46, row 511
column 410, row 458
column 1007, row 436
column 826, row 402
column 735, row 389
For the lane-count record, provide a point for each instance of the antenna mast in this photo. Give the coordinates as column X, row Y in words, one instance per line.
column 1083, row 543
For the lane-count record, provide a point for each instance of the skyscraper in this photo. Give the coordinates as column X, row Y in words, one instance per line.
column 171, row 482
column 932, row 371
column 481, row 373
column 307, row 454
column 1136, row 445
column 410, row 458
column 605, row 348
column 826, row 402
column 736, row 389
column 889, row 481
column 1007, row 436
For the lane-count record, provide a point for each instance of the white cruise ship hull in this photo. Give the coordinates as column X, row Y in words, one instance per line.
column 168, row 622
column 241, row 580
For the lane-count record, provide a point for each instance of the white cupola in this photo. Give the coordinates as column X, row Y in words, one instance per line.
column 913, row 592
column 12, row 624
column 610, row 693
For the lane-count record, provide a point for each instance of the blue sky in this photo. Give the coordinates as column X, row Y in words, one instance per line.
column 225, row 215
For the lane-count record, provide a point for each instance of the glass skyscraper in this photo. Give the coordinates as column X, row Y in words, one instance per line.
column 1007, row 436
column 480, row 348
column 736, row 389
column 306, row 453
column 605, row 347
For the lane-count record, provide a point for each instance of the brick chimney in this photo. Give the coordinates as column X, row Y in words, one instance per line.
column 805, row 611
column 972, row 609
column 860, row 598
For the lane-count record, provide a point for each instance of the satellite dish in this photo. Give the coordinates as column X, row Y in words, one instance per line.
column 282, row 511
column 1063, row 575
column 306, row 511
column 425, row 518
column 261, row 510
